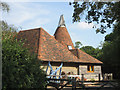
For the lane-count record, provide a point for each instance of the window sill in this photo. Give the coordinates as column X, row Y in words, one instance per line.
column 90, row 71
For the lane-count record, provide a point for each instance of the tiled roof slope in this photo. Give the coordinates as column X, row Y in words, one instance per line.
column 49, row 49
column 45, row 45
column 84, row 57
column 30, row 38
column 63, row 36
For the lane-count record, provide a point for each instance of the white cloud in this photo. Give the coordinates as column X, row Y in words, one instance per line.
column 84, row 33
column 36, row 24
column 81, row 26
column 76, row 37
column 24, row 12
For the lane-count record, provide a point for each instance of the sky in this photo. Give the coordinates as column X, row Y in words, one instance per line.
column 30, row 15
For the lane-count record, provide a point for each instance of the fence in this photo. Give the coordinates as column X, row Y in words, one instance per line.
column 82, row 84
column 92, row 76
column 80, row 77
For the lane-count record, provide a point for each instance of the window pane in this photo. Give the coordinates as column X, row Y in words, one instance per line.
column 69, row 47
column 88, row 68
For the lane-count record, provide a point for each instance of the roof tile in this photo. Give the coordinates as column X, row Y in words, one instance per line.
column 50, row 49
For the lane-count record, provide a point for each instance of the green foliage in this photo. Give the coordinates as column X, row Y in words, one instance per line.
column 78, row 44
column 88, row 49
column 111, row 51
column 4, row 6
column 103, row 13
column 106, row 14
column 99, row 53
column 6, row 27
column 20, row 68
column 95, row 52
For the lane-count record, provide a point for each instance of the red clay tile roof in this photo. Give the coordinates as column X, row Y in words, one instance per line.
column 84, row 57
column 30, row 38
column 49, row 49
column 63, row 37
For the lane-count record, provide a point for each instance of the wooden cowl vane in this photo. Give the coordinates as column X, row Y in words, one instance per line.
column 62, row 35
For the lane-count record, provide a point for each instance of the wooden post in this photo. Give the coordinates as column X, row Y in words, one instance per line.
column 82, row 77
column 47, row 67
column 99, row 77
column 103, row 77
column 73, row 84
column 111, row 76
column 82, row 82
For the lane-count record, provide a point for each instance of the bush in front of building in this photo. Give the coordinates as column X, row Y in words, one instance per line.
column 20, row 68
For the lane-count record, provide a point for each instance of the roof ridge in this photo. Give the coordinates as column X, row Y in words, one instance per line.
column 29, row 29
column 40, row 36
column 39, row 43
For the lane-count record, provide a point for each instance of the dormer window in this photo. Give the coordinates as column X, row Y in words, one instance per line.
column 69, row 47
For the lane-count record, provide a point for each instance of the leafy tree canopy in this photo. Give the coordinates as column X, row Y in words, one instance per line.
column 4, row 6
column 20, row 68
column 106, row 14
column 6, row 27
column 111, row 51
column 95, row 52
column 78, row 44
column 103, row 13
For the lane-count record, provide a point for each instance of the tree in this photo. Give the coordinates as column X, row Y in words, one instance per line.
column 20, row 68
column 99, row 54
column 6, row 27
column 89, row 50
column 4, row 6
column 103, row 13
column 107, row 15
column 111, row 51
column 78, row 44
column 94, row 52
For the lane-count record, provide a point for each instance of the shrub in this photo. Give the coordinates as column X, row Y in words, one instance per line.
column 20, row 68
